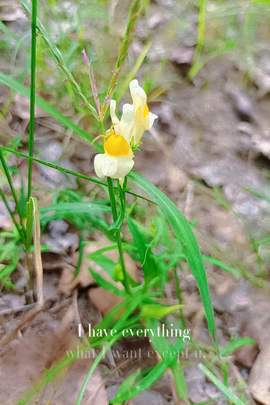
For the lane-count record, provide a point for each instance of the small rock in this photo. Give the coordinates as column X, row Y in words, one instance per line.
column 149, row 398
column 242, row 104
column 259, row 381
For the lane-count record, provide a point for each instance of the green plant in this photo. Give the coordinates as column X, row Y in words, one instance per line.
column 160, row 247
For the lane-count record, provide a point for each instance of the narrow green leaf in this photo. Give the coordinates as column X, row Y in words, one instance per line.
column 179, row 378
column 185, row 236
column 31, row 134
column 145, row 254
column 227, row 392
column 127, row 390
column 29, row 223
column 106, row 284
column 158, row 311
column 16, row 86
column 235, row 344
column 56, row 53
column 235, row 272
column 70, row 172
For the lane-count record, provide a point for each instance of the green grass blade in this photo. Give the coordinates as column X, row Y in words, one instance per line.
column 227, row 392
column 61, row 63
column 179, row 378
column 71, row 172
column 145, row 255
column 9, row 179
column 134, row 13
column 102, row 282
column 197, row 64
column 232, row 270
column 16, row 86
column 5, row 201
column 92, row 369
column 127, row 390
column 185, row 236
column 13, row 191
column 31, row 135
column 29, row 223
column 130, row 75
column 76, row 208
column 235, row 344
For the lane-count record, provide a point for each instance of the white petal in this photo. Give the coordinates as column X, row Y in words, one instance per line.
column 110, row 166
column 124, row 166
column 104, row 165
column 114, row 117
column 138, row 94
column 127, row 121
column 152, row 118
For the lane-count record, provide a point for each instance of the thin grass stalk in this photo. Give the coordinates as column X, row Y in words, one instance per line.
column 32, row 96
column 3, row 196
column 196, row 65
column 118, row 235
column 12, row 189
column 133, row 15
column 72, row 172
column 55, row 52
column 92, row 369
column 9, row 179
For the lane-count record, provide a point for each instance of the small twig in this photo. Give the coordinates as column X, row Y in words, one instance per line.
column 189, row 199
column 21, row 308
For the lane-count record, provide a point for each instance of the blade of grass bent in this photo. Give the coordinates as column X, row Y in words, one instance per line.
column 3, row 196
column 71, row 172
column 184, row 234
column 227, row 392
column 12, row 189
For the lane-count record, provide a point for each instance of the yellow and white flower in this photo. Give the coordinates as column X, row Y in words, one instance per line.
column 117, row 160
column 143, row 118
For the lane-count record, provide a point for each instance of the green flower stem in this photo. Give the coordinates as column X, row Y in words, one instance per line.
column 32, row 95
column 118, row 235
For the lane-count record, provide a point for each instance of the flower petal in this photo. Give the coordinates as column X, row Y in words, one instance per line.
column 114, row 117
column 127, row 121
column 114, row 167
column 152, row 118
column 124, row 166
column 104, row 166
column 138, row 94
